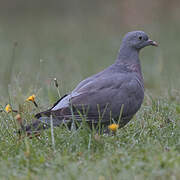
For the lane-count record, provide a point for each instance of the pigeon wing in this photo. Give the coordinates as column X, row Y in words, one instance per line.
column 102, row 97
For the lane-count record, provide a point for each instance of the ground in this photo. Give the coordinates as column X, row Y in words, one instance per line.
column 147, row 148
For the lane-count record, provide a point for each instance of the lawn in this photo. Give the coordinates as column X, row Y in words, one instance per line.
column 147, row 148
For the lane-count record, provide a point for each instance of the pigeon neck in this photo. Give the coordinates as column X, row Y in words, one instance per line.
column 128, row 55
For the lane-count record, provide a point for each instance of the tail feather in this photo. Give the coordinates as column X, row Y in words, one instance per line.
column 42, row 122
column 36, row 126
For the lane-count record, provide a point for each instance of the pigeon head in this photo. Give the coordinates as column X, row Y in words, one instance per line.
column 137, row 40
column 131, row 44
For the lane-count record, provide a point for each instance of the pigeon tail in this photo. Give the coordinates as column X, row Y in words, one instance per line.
column 40, row 124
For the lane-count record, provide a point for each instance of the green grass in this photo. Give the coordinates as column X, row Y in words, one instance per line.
column 147, row 148
column 72, row 49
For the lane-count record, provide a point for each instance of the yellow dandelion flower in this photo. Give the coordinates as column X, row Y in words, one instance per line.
column 113, row 127
column 31, row 98
column 8, row 108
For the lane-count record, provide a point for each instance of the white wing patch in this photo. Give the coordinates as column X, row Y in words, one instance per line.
column 65, row 101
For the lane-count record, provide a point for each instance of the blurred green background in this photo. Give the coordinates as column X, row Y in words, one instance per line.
column 71, row 40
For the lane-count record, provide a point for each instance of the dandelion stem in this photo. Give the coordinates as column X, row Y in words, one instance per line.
column 73, row 127
column 52, row 134
column 120, row 115
column 89, row 144
column 35, row 104
column 14, row 111
column 58, row 93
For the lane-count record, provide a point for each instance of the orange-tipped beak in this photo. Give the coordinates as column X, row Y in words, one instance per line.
column 153, row 43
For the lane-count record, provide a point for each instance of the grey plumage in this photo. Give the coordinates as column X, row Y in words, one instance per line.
column 104, row 94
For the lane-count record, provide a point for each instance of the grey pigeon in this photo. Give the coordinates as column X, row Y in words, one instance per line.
column 101, row 97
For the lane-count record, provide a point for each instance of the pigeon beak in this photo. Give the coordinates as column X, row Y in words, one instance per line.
column 152, row 43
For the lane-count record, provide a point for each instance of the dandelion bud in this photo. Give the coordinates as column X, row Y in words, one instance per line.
column 56, row 83
column 8, row 108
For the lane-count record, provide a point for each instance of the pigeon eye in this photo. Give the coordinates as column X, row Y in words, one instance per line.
column 140, row 37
